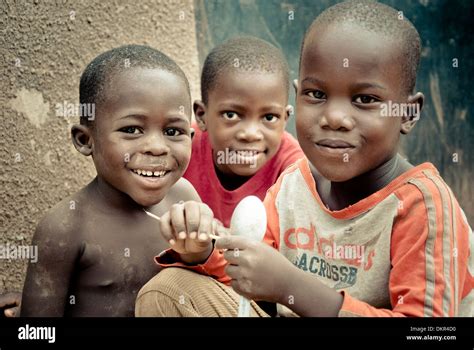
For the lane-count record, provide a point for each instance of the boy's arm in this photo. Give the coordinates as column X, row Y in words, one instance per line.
column 209, row 261
column 47, row 280
column 274, row 277
column 192, row 252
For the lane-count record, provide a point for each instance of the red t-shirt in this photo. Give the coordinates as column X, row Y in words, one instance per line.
column 202, row 174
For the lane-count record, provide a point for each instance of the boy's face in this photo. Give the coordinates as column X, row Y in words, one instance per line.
column 346, row 74
column 245, row 117
column 142, row 140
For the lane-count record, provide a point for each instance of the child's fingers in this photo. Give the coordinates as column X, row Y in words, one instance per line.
column 178, row 220
column 219, row 229
column 192, row 217
column 11, row 312
column 205, row 223
column 166, row 229
column 232, row 256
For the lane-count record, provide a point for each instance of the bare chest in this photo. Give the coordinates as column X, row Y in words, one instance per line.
column 116, row 259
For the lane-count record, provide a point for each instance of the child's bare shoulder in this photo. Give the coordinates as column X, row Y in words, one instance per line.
column 60, row 226
column 182, row 190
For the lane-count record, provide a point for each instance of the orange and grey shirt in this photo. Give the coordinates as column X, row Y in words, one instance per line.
column 405, row 250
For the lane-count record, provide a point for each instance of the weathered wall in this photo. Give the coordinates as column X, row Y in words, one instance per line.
column 44, row 48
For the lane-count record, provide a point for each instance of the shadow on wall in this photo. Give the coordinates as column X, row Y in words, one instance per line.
column 45, row 47
column 445, row 134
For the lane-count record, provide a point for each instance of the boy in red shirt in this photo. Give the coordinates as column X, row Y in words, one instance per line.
column 241, row 146
column 353, row 229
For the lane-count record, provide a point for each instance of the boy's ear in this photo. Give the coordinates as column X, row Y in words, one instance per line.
column 409, row 119
column 289, row 112
column 200, row 111
column 295, row 85
column 82, row 139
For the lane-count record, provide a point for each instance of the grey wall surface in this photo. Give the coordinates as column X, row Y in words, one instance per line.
column 444, row 135
column 44, row 48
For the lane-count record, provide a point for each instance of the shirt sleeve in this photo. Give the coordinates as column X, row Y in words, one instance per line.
column 429, row 255
column 272, row 235
column 214, row 266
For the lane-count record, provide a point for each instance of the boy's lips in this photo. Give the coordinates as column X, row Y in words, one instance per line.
column 334, row 146
column 334, row 143
column 248, row 156
column 247, row 150
column 151, row 182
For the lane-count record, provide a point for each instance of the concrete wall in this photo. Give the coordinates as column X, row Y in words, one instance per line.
column 44, row 48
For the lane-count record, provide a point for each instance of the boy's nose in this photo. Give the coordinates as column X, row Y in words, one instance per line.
column 250, row 132
column 336, row 119
column 155, row 145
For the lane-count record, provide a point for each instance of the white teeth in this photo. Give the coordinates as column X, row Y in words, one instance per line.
column 149, row 173
column 247, row 153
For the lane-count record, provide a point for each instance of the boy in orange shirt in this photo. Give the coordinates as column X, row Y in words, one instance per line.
column 353, row 229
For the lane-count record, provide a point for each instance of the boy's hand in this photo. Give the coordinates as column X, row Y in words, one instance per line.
column 10, row 304
column 187, row 227
column 258, row 271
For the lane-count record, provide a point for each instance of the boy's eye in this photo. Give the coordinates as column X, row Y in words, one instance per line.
column 365, row 99
column 270, row 118
column 173, row 132
column 317, row 94
column 230, row 115
column 130, row 130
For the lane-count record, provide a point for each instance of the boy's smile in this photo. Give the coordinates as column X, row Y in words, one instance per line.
column 142, row 139
column 346, row 74
column 245, row 116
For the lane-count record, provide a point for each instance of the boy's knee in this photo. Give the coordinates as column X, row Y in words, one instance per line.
column 170, row 280
column 166, row 294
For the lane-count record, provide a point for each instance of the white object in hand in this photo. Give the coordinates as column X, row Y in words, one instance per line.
column 249, row 219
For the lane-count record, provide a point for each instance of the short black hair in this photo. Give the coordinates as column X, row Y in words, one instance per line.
column 379, row 18
column 102, row 68
column 246, row 53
